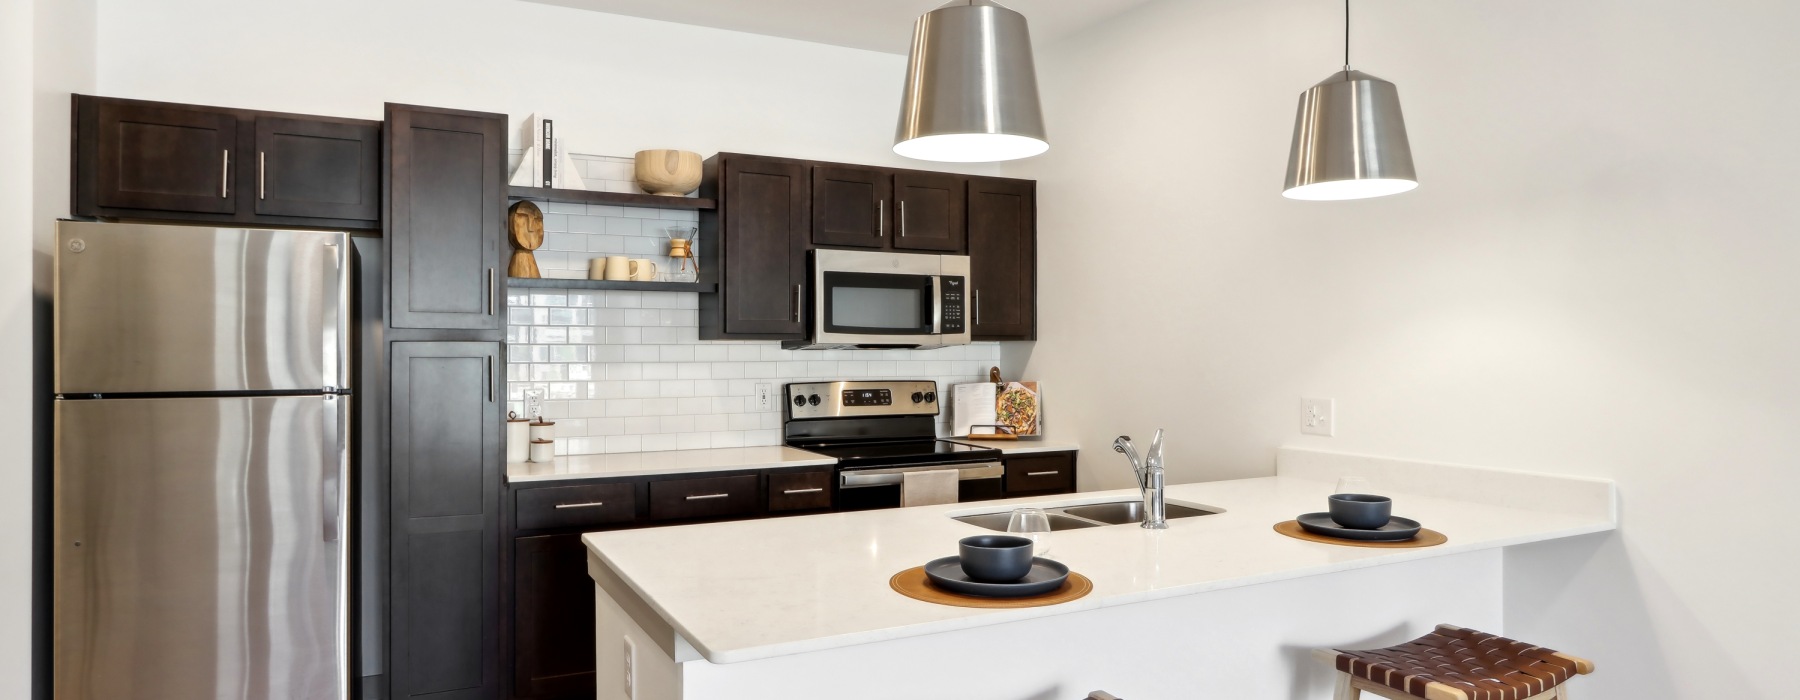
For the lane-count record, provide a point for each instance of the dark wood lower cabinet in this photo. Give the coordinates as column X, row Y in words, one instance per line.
column 1030, row 475
column 553, row 618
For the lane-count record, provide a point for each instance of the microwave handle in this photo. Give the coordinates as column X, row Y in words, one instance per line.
column 937, row 305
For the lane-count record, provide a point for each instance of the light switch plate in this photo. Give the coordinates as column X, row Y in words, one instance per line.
column 630, row 670
column 1318, row 417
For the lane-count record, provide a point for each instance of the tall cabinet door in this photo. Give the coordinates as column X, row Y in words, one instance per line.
column 1003, row 259
column 165, row 158
column 317, row 168
column 446, row 201
column 929, row 213
column 763, row 241
column 850, row 206
column 446, row 468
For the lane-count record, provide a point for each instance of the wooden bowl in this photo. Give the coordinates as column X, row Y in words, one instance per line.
column 668, row 173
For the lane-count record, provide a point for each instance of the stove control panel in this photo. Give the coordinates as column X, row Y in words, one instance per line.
column 861, row 399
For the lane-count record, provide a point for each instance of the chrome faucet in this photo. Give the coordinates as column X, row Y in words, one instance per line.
column 1149, row 472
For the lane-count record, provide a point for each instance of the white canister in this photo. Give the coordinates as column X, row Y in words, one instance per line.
column 518, row 438
column 543, row 430
column 543, row 451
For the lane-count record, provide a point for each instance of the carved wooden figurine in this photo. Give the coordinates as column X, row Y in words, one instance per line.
column 525, row 224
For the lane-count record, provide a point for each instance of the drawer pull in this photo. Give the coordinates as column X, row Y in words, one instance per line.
column 707, row 496
column 1048, row 473
column 794, row 491
column 595, row 504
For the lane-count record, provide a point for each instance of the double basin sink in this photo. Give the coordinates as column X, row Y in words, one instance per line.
column 1087, row 515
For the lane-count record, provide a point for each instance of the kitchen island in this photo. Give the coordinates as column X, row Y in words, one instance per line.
column 1214, row 606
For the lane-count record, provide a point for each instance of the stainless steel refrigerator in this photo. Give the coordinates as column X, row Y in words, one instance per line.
column 202, row 464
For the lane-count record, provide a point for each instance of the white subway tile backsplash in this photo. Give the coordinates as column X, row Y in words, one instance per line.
column 625, row 371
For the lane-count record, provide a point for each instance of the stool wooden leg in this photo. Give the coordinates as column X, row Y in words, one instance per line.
column 1344, row 690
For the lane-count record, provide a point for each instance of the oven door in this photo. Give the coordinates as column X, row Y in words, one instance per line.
column 864, row 489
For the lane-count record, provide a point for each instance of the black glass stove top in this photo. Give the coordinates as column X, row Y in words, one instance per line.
column 898, row 452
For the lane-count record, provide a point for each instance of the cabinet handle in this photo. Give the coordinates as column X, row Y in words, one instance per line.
column 902, row 217
column 225, row 175
column 977, row 307
column 794, row 491
column 595, row 504
column 490, row 291
column 707, row 496
column 261, row 163
column 1048, row 473
column 490, row 378
column 880, row 218
column 799, row 291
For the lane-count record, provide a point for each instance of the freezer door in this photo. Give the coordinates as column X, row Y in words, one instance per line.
column 199, row 551
column 146, row 308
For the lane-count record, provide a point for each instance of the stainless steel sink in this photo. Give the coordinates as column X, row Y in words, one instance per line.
column 1126, row 512
column 1089, row 515
column 998, row 521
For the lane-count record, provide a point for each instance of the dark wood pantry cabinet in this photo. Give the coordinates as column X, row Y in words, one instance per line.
column 445, row 209
column 191, row 163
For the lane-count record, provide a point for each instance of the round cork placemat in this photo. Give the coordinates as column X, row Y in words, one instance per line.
column 912, row 583
column 1425, row 538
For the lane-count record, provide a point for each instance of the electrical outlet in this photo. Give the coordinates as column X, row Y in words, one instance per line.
column 630, row 670
column 765, row 397
column 534, row 403
column 1317, row 417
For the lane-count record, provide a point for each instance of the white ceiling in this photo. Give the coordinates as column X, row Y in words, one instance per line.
column 877, row 25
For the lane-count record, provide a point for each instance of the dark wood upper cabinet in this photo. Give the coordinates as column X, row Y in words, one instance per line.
column 1003, row 259
column 929, row 212
column 759, row 234
column 850, row 206
column 196, row 164
column 319, row 169
column 446, row 469
column 446, row 216
column 163, row 157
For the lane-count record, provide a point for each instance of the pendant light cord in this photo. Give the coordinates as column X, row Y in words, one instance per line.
column 1346, row 35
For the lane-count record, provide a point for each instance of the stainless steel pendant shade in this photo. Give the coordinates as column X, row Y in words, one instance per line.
column 1349, row 141
column 971, row 89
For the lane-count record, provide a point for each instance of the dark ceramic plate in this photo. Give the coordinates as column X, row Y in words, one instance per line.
column 1045, row 576
column 1397, row 529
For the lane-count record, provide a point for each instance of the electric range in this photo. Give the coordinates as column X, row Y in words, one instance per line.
column 879, row 430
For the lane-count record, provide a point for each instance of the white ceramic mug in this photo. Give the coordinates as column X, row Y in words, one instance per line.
column 618, row 267
column 597, row 269
column 643, row 270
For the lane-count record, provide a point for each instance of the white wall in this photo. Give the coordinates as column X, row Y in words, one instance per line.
column 1596, row 276
column 616, row 84
column 15, row 345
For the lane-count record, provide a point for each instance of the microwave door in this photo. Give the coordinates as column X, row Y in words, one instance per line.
column 864, row 309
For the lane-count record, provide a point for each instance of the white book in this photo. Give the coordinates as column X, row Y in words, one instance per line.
column 531, row 166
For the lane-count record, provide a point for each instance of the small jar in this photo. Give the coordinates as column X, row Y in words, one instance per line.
column 543, row 430
column 543, row 451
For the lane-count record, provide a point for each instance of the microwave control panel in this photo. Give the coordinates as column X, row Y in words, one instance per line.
column 952, row 294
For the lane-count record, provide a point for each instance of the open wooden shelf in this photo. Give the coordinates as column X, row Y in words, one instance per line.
column 551, row 283
column 617, row 199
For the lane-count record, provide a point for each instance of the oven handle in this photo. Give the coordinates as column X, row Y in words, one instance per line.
column 863, row 478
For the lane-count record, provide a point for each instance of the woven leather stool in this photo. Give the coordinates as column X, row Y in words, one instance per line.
column 1453, row 663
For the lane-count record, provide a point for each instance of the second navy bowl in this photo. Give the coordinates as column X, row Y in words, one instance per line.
column 996, row 558
column 1361, row 511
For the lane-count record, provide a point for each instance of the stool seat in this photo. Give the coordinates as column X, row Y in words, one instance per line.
column 1453, row 663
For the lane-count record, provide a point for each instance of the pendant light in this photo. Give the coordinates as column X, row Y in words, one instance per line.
column 971, row 90
column 1349, row 139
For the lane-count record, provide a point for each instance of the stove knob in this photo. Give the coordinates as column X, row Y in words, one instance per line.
column 799, row 401
column 930, row 397
column 918, row 397
column 814, row 399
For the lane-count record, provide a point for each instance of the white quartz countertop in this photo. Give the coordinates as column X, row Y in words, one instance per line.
column 1023, row 446
column 749, row 590
column 670, row 462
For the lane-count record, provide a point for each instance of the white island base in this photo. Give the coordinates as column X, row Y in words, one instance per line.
column 1218, row 606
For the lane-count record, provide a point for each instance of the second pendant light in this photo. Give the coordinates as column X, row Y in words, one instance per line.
column 1349, row 138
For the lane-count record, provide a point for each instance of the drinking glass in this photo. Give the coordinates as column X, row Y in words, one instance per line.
column 1032, row 524
column 1353, row 484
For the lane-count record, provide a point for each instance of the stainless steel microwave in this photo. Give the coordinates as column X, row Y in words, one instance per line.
column 865, row 299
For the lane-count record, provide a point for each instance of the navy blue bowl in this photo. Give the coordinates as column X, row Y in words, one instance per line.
column 1361, row 511
column 996, row 558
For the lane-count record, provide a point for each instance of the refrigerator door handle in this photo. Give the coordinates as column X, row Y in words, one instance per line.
column 336, row 455
column 336, row 336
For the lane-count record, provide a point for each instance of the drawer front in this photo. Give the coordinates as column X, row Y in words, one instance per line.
column 574, row 506
column 718, row 497
column 1050, row 473
column 799, row 490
